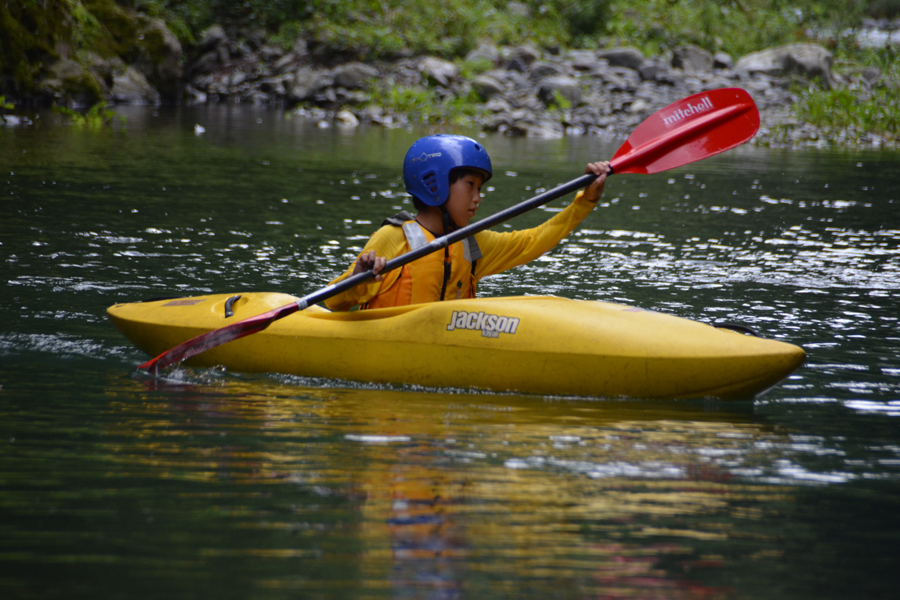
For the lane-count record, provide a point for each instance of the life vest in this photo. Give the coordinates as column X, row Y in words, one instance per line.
column 447, row 275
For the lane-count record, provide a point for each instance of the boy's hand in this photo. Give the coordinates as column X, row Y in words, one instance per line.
column 593, row 192
column 370, row 260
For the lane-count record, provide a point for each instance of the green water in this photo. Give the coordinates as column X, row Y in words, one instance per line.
column 211, row 484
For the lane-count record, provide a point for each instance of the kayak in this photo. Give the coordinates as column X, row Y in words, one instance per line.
column 534, row 344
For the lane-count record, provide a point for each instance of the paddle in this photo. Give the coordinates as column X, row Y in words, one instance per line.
column 686, row 131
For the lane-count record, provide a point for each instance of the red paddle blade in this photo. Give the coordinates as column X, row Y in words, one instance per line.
column 217, row 337
column 689, row 130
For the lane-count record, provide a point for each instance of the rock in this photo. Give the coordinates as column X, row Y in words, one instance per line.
column 68, row 82
column 237, row 78
column 132, row 87
column 353, row 76
column 438, row 70
column 212, row 37
column 306, row 84
column 285, row 63
column 525, row 55
column 651, row 70
column 206, row 62
column 543, row 128
column 103, row 68
column 692, row 59
column 300, row 47
column 498, row 105
column 269, row 53
column 870, row 74
column 623, row 57
column 518, row 9
column 583, row 60
column 345, row 118
column 159, row 58
column 723, row 60
column 484, row 53
column 541, row 70
column 638, row 106
column 806, row 60
column 487, row 87
column 561, row 85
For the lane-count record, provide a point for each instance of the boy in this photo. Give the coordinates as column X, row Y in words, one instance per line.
column 444, row 175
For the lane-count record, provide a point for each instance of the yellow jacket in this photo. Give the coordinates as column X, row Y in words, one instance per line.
column 423, row 279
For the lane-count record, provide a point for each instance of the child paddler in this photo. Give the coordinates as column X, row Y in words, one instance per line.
column 444, row 175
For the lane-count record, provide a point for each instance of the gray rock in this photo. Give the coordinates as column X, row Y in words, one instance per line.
column 132, row 87
column 353, row 76
column 270, row 53
column 438, row 70
column 103, row 68
column 518, row 9
column 567, row 87
column 692, row 59
column 212, row 37
column 583, row 60
column 723, row 60
column 300, row 47
column 623, row 57
column 650, row 70
column 526, row 54
column 285, row 63
column 345, row 118
column 543, row 128
column 159, row 58
column 498, row 105
column 870, row 74
column 307, row 84
column 484, row 53
column 541, row 70
column 487, row 87
column 206, row 63
column 806, row 60
column 237, row 78
column 68, row 82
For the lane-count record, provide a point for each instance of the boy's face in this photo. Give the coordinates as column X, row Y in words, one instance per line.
column 465, row 196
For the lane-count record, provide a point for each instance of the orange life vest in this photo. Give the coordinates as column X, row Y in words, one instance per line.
column 447, row 275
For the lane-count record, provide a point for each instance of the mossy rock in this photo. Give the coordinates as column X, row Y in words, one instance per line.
column 69, row 83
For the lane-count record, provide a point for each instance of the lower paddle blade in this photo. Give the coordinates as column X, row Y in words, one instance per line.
column 217, row 337
column 689, row 130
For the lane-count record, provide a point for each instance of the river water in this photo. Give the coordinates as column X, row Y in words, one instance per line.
column 212, row 484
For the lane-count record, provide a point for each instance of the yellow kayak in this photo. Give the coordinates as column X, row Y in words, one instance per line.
column 535, row 344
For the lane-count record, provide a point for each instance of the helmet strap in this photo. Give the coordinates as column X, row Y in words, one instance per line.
column 449, row 224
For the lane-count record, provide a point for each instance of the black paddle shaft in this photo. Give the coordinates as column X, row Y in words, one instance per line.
column 450, row 238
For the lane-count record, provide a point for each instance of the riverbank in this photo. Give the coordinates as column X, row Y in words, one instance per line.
column 525, row 90
column 513, row 90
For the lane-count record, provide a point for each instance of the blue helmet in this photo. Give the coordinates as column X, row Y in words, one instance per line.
column 426, row 169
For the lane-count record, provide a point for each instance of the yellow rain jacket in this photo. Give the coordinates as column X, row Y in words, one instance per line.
column 423, row 280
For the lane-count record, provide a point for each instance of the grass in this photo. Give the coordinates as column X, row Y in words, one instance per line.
column 96, row 117
column 425, row 105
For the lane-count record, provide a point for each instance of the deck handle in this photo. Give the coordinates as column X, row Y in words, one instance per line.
column 229, row 303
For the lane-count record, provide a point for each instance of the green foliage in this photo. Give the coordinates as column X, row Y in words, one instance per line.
column 96, row 117
column 470, row 68
column 559, row 101
column 425, row 105
column 4, row 105
column 845, row 109
column 734, row 26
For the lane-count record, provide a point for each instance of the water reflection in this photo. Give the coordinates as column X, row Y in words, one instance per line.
column 439, row 494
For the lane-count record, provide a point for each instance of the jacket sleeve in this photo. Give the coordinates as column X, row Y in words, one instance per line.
column 504, row 250
column 388, row 242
